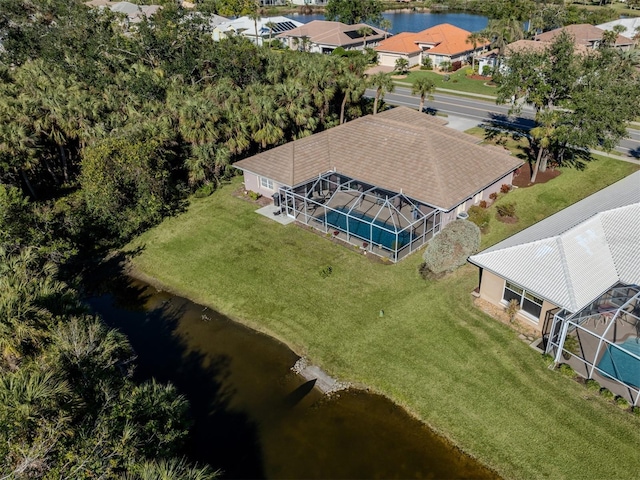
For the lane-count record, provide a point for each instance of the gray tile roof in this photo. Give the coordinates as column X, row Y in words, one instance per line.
column 578, row 253
column 401, row 150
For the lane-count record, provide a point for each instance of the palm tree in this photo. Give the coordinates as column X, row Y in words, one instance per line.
column 270, row 25
column 385, row 24
column 425, row 87
column 353, row 86
column 542, row 137
column 255, row 16
column 402, row 65
column 383, row 83
column 475, row 38
column 502, row 32
column 364, row 32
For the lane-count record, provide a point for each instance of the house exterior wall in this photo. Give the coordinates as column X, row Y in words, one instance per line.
column 252, row 182
column 492, row 289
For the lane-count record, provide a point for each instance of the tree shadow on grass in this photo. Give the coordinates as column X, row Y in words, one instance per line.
column 219, row 437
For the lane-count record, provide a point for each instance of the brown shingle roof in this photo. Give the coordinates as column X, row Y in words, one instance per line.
column 583, row 34
column 401, row 150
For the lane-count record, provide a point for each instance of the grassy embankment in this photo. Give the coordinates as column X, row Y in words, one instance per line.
column 458, row 81
column 465, row 374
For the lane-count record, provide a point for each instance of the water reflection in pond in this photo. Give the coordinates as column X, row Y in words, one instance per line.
column 255, row 418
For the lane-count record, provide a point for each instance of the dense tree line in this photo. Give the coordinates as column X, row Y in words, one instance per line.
column 124, row 123
column 104, row 130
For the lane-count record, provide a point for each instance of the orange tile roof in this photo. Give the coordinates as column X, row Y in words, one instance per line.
column 401, row 43
column 401, row 150
column 448, row 39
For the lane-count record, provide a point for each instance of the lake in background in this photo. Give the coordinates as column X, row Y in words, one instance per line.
column 417, row 21
column 253, row 417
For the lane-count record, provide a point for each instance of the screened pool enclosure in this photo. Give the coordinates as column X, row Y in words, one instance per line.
column 602, row 342
column 382, row 222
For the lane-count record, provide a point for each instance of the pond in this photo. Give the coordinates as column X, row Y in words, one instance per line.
column 253, row 417
column 403, row 21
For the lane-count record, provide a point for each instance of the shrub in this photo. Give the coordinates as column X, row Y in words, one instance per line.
column 636, row 411
column 482, row 204
column 253, row 195
column 486, row 71
column 445, row 66
column 427, row 64
column 606, row 393
column 480, row 216
column 451, row 248
column 326, row 271
column 512, row 309
column 455, row 66
column 592, row 385
column 548, row 359
column 566, row 370
column 622, row 402
column 504, row 188
column 507, row 210
column 493, row 196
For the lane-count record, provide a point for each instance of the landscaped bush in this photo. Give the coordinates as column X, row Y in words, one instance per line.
column 566, row 370
column 622, row 402
column 592, row 385
column 482, row 204
column 506, row 210
column 450, row 249
column 486, row 71
column 493, row 196
column 253, row 195
column 480, row 216
column 455, row 66
column 504, row 188
column 427, row 64
column 512, row 309
column 606, row 393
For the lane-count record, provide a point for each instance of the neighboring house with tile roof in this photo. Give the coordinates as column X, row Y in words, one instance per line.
column 132, row 12
column 400, row 158
column 569, row 259
column 321, row 36
column 268, row 28
column 585, row 35
column 441, row 43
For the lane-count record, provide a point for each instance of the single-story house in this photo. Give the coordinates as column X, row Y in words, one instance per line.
column 388, row 182
column 490, row 58
column 268, row 28
column 567, row 259
column 575, row 277
column 320, row 36
column 631, row 25
column 134, row 13
column 442, row 43
column 586, row 35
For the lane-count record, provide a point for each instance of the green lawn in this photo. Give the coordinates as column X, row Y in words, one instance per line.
column 465, row 374
column 457, row 81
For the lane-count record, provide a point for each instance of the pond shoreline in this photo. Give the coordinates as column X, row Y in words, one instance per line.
column 130, row 270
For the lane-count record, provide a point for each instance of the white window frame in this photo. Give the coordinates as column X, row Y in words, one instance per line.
column 523, row 295
column 266, row 183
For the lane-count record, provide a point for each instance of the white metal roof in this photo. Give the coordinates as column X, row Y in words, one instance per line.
column 573, row 256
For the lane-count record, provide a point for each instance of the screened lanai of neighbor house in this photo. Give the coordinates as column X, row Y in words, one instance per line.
column 386, row 183
column 575, row 277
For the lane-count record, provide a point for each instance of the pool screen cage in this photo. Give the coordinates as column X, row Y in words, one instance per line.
column 388, row 224
column 601, row 341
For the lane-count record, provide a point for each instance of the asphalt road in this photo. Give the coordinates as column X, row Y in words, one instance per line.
column 487, row 111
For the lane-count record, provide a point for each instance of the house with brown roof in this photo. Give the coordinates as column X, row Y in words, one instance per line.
column 585, row 35
column 387, row 182
column 442, row 43
column 320, row 36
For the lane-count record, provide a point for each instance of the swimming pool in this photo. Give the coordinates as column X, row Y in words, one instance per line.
column 619, row 364
column 367, row 228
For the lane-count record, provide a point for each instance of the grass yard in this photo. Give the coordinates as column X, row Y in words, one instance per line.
column 457, row 81
column 469, row 377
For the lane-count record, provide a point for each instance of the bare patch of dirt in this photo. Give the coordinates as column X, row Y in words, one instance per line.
column 522, row 178
column 510, row 220
column 479, row 77
column 499, row 314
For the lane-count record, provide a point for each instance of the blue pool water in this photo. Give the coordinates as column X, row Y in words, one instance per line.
column 361, row 227
column 619, row 364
